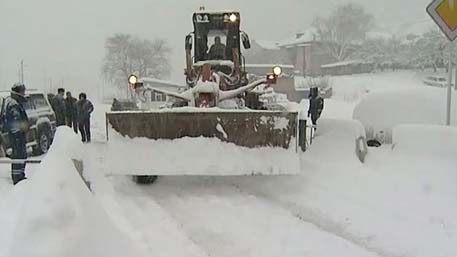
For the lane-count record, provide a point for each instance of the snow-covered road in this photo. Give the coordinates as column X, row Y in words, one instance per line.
column 399, row 203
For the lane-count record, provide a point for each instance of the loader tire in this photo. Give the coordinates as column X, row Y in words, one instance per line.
column 144, row 180
column 373, row 143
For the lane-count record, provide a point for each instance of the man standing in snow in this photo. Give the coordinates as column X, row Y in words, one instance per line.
column 70, row 112
column 17, row 125
column 59, row 107
column 316, row 105
column 84, row 110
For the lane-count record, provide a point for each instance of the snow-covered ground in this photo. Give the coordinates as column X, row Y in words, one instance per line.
column 400, row 203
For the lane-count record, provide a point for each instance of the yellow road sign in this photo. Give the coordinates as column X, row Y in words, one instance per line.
column 444, row 13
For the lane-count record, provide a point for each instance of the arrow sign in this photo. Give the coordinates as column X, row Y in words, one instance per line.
column 444, row 13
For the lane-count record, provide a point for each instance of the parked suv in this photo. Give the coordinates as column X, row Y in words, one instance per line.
column 42, row 123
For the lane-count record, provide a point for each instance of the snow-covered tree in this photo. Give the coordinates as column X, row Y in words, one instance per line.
column 126, row 54
column 384, row 53
column 346, row 27
column 430, row 50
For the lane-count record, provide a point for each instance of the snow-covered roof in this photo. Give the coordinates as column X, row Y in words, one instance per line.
column 267, row 45
column 6, row 93
column 300, row 39
column 343, row 63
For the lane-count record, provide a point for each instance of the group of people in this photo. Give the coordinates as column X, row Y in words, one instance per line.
column 68, row 111
column 73, row 112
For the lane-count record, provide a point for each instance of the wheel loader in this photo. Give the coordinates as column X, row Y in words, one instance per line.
column 219, row 104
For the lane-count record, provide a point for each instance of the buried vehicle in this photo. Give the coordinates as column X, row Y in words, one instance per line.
column 42, row 123
column 217, row 126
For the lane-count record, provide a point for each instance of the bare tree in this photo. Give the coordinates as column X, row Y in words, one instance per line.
column 126, row 54
column 346, row 27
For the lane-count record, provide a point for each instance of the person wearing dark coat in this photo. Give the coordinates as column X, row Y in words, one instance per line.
column 316, row 105
column 217, row 51
column 59, row 107
column 84, row 110
column 71, row 112
column 17, row 126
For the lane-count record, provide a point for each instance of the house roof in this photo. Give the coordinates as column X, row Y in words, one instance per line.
column 300, row 39
column 341, row 64
column 267, row 45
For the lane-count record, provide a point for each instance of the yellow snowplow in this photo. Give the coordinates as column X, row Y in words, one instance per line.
column 217, row 126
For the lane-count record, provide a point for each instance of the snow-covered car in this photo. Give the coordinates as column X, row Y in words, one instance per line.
column 436, row 81
column 42, row 121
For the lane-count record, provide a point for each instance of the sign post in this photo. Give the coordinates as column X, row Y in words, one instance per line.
column 444, row 13
column 449, row 88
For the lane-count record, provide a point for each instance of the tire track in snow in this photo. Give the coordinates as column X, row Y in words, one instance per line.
column 233, row 201
column 138, row 215
column 318, row 219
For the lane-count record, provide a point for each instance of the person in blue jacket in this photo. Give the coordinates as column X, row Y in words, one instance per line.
column 17, row 125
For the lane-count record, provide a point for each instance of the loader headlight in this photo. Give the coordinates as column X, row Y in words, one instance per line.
column 277, row 70
column 233, row 17
column 133, row 79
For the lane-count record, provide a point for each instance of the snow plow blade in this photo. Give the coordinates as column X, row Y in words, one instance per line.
column 203, row 142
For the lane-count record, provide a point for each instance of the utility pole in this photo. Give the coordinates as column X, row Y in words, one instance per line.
column 449, row 88
column 22, row 71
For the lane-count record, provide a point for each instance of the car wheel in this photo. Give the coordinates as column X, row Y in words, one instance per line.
column 144, row 180
column 43, row 142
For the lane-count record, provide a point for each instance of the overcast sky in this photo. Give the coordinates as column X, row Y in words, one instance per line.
column 64, row 39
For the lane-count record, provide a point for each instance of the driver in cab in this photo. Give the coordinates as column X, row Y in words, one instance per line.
column 217, row 50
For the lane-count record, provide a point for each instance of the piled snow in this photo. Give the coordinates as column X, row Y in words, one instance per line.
column 341, row 135
column 53, row 213
column 401, row 202
column 380, row 112
column 195, row 156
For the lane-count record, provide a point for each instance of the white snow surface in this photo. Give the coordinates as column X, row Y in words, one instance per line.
column 399, row 203
column 195, row 156
column 53, row 214
column 430, row 142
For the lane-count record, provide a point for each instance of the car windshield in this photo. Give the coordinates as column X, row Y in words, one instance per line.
column 241, row 128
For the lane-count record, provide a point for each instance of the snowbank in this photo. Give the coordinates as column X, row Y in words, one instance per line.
column 401, row 202
column 195, row 156
column 337, row 139
column 53, row 214
column 426, row 141
column 380, row 112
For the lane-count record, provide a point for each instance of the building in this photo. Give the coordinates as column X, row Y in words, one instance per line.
column 155, row 100
column 266, row 52
column 304, row 51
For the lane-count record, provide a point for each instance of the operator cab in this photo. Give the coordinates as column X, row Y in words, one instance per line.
column 217, row 38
